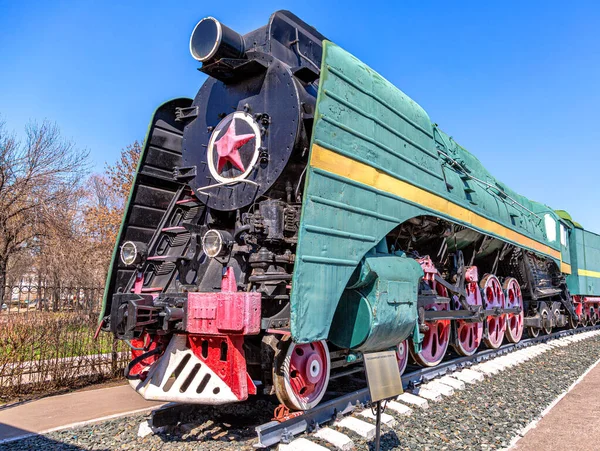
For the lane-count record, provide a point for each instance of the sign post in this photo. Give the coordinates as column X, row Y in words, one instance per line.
column 384, row 381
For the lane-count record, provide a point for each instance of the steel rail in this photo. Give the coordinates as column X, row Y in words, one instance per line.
column 275, row 432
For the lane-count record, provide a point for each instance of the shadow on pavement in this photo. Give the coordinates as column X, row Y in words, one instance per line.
column 15, row 404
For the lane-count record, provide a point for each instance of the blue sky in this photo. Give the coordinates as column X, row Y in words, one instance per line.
column 516, row 83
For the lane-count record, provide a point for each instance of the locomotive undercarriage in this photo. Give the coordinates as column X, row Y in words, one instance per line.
column 476, row 289
column 479, row 289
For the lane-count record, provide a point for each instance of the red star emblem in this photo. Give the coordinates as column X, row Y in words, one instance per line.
column 228, row 146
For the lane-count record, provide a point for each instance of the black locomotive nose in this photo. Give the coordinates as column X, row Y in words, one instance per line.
column 211, row 41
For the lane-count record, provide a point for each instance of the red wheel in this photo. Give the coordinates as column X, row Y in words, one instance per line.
column 591, row 317
column 468, row 335
column 493, row 297
column 587, row 315
column 513, row 299
column 302, row 376
column 578, row 307
column 402, row 356
column 436, row 338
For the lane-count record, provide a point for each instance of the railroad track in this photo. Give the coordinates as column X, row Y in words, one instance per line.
column 490, row 413
column 335, row 409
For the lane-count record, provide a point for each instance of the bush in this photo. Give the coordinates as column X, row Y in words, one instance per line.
column 48, row 351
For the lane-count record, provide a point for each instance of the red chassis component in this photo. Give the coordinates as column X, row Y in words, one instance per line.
column 225, row 356
column 148, row 345
column 577, row 302
column 209, row 356
column 588, row 309
column 217, row 323
column 227, row 312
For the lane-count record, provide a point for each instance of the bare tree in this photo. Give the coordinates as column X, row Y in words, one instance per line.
column 39, row 185
column 107, row 196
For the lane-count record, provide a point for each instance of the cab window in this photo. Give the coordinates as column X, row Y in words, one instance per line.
column 563, row 235
column 550, row 224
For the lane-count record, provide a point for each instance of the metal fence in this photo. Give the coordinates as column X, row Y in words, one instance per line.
column 47, row 340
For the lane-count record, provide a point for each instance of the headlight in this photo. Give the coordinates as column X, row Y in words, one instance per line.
column 216, row 242
column 133, row 252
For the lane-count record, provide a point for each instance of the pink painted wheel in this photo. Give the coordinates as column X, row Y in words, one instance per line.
column 402, row 356
column 493, row 297
column 573, row 322
column 468, row 335
column 513, row 299
column 436, row 338
column 302, row 376
column 591, row 314
column 585, row 318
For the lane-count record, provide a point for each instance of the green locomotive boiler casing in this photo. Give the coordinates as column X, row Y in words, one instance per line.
column 376, row 161
column 339, row 213
column 584, row 279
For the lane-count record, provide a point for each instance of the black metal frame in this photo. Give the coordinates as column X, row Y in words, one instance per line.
column 478, row 315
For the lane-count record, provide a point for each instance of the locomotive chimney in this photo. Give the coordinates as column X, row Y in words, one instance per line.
column 211, row 41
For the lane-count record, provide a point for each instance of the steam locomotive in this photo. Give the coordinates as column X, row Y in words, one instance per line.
column 301, row 211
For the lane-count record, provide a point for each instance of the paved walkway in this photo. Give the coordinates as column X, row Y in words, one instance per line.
column 572, row 424
column 55, row 412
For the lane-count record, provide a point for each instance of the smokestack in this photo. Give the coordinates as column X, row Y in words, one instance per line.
column 211, row 41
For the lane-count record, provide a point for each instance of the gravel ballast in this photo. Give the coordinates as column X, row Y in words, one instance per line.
column 486, row 415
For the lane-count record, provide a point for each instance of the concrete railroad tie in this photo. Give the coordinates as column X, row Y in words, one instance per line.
column 362, row 428
column 452, row 382
column 468, row 376
column 440, row 388
column 301, row 444
column 385, row 418
column 336, row 438
column 489, row 368
column 430, row 395
column 413, row 400
column 400, row 409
